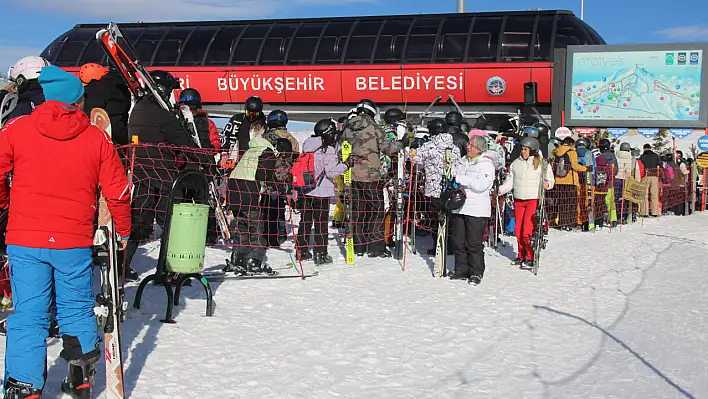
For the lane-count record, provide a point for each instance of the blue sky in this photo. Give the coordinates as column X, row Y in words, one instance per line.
column 30, row 25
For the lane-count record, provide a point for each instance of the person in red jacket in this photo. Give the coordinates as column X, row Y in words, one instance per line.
column 50, row 230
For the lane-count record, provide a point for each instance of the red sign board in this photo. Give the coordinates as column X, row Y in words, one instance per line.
column 585, row 131
column 469, row 83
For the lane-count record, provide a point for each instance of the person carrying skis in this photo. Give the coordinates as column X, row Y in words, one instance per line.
column 24, row 74
column 430, row 156
column 244, row 187
column 368, row 141
column 567, row 184
column 156, row 164
column 606, row 170
column 475, row 175
column 106, row 89
column 315, row 211
column 50, row 247
column 525, row 177
column 338, row 216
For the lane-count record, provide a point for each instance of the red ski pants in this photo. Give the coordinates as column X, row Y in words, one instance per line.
column 524, row 211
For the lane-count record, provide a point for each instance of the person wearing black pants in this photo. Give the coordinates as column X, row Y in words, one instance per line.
column 475, row 174
column 315, row 208
column 368, row 218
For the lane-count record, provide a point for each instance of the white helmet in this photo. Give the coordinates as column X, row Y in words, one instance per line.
column 27, row 68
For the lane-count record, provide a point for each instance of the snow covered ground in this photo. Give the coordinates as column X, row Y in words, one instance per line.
column 610, row 315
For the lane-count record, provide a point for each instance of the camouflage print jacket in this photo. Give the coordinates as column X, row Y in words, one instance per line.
column 368, row 141
column 274, row 134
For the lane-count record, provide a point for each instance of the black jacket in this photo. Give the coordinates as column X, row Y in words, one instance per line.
column 155, row 125
column 650, row 160
column 111, row 94
column 28, row 100
column 238, row 128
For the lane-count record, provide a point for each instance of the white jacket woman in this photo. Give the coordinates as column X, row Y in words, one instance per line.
column 525, row 179
column 475, row 175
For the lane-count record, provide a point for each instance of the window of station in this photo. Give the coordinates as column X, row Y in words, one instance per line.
column 148, row 42
column 569, row 32
column 389, row 48
column 93, row 53
column 196, row 46
column 516, row 40
column 220, row 50
column 361, row 44
column 303, row 47
column 276, row 44
column 168, row 51
column 332, row 45
column 74, row 45
column 421, row 41
column 544, row 30
column 484, row 40
column 51, row 52
column 247, row 48
column 453, row 40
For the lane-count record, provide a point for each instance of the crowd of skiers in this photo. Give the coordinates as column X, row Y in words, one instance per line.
column 265, row 171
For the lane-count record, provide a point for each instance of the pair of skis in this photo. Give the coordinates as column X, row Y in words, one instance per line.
column 441, row 242
column 349, row 239
column 538, row 239
column 110, row 307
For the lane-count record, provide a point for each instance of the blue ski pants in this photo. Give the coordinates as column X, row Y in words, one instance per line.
column 34, row 274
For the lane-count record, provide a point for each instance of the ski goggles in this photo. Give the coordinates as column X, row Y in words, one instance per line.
column 252, row 115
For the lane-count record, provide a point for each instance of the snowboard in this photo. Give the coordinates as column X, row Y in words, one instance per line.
column 110, row 309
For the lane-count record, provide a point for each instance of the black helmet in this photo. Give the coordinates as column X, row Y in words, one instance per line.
column 277, row 118
column 254, row 104
column 625, row 147
column 542, row 129
column 191, row 97
column 325, row 127
column 461, row 141
column 531, row 142
column 393, row 115
column 454, row 118
column 164, row 83
column 465, row 127
column 283, row 145
column 668, row 157
column 437, row 126
column 340, row 123
column 453, row 199
column 604, row 145
column 582, row 142
column 368, row 107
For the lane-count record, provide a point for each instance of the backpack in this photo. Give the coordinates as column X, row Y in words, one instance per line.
column 563, row 165
column 602, row 175
column 669, row 174
column 303, row 170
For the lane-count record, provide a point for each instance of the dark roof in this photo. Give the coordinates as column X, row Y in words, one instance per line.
column 519, row 36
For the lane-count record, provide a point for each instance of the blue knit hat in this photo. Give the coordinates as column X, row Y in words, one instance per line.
column 60, row 86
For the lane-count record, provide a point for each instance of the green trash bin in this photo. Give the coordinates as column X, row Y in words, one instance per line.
column 187, row 239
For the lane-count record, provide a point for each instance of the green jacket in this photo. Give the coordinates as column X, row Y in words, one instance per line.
column 248, row 165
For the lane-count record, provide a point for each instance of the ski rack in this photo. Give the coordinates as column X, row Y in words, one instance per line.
column 187, row 179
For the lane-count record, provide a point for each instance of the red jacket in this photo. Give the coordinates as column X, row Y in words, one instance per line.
column 58, row 160
column 214, row 138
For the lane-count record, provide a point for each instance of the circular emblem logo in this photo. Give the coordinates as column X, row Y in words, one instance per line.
column 694, row 57
column 496, row 86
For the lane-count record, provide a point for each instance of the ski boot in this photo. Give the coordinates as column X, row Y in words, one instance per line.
column 474, row 280
column 20, row 390
column 304, row 254
column 383, row 253
column 237, row 264
column 517, row 262
column 79, row 382
column 528, row 263
column 322, row 258
column 256, row 267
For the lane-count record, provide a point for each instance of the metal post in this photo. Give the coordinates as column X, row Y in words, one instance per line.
column 582, row 10
column 460, row 6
